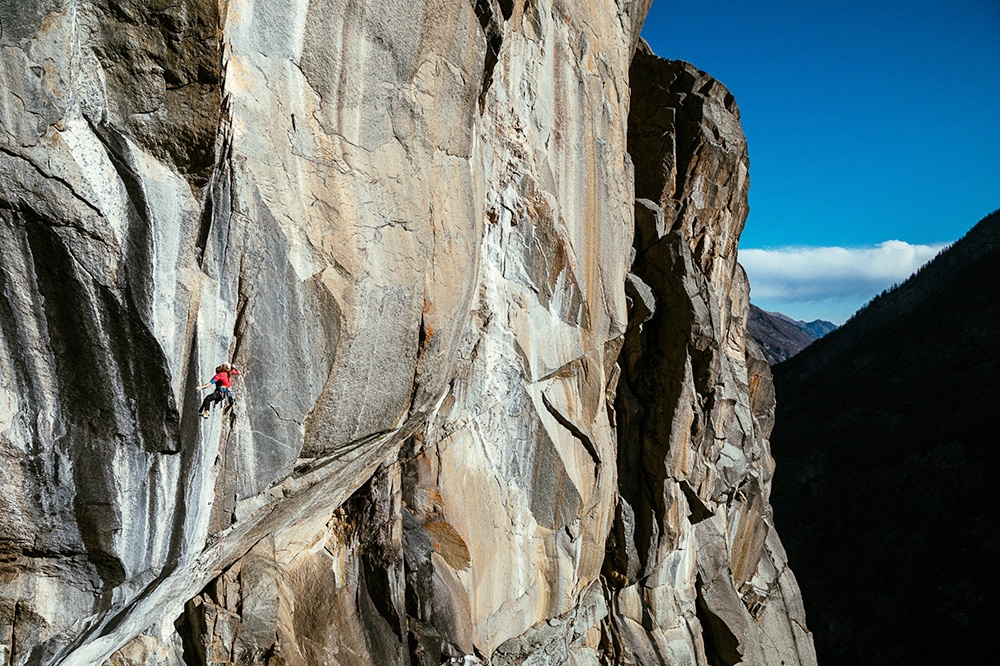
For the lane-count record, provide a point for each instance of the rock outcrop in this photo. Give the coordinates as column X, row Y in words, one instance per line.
column 699, row 570
column 411, row 225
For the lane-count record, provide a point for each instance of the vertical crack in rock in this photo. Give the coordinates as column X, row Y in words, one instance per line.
column 493, row 32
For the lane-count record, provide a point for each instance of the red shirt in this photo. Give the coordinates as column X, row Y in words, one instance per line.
column 224, row 379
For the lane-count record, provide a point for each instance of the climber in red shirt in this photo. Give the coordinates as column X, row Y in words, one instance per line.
column 223, row 381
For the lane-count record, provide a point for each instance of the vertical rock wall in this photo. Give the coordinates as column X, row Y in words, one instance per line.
column 410, row 224
column 697, row 571
column 516, row 484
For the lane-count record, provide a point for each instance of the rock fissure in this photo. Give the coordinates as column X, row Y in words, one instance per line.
column 278, row 414
column 53, row 178
column 573, row 428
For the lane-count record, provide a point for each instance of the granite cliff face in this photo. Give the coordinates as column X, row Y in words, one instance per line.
column 475, row 424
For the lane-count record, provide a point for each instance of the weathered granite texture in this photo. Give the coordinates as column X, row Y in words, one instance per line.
column 410, row 224
column 697, row 569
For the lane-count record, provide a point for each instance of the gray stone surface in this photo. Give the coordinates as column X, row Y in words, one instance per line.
column 410, row 225
column 697, row 570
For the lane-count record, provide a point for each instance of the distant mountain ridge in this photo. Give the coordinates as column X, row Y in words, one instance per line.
column 780, row 337
column 887, row 459
column 820, row 327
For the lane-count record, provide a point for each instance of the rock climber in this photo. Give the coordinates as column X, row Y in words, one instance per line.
column 223, row 382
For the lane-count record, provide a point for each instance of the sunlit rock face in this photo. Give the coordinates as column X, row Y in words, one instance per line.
column 697, row 571
column 410, row 225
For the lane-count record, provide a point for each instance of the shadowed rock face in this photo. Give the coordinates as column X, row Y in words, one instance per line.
column 410, row 225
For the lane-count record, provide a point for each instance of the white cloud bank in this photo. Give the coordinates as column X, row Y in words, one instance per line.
column 829, row 282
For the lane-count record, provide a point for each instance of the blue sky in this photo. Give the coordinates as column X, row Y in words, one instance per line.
column 867, row 122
